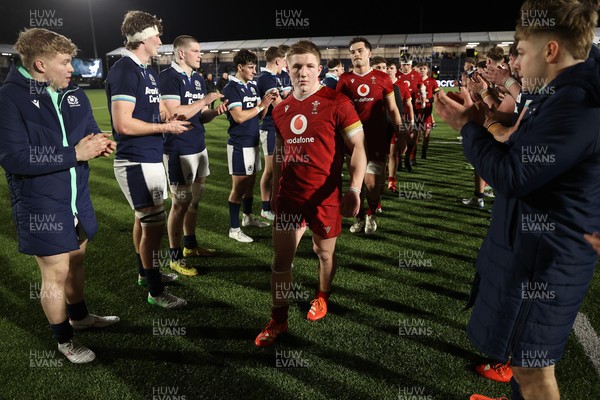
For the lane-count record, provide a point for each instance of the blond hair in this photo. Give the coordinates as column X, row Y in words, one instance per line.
column 39, row 42
column 572, row 23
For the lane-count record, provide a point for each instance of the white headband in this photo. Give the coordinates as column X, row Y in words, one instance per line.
column 143, row 35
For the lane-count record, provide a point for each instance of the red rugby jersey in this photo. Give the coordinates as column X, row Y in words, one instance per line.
column 313, row 132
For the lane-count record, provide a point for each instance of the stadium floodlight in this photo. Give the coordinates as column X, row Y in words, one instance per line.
column 93, row 31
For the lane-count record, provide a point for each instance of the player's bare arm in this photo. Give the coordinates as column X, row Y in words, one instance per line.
column 187, row 111
column 355, row 141
column 394, row 113
column 277, row 157
column 125, row 124
column 208, row 114
column 240, row 116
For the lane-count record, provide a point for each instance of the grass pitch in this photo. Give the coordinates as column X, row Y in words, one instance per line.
column 396, row 326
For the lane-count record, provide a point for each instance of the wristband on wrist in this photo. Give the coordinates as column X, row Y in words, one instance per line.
column 259, row 109
column 508, row 82
column 482, row 91
column 353, row 189
column 489, row 124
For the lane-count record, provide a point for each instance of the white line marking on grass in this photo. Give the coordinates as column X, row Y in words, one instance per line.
column 98, row 108
column 442, row 142
column 584, row 331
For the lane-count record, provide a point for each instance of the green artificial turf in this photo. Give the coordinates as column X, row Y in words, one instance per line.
column 396, row 326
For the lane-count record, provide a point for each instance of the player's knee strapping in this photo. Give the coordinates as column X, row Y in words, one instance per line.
column 281, row 269
column 374, row 168
column 153, row 217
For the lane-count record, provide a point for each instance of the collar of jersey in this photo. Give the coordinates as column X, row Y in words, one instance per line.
column 264, row 69
column 365, row 74
column 236, row 80
column 177, row 68
column 127, row 53
column 27, row 75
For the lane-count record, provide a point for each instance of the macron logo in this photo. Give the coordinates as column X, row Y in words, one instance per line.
column 36, row 103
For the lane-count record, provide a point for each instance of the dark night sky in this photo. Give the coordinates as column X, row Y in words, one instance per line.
column 216, row 21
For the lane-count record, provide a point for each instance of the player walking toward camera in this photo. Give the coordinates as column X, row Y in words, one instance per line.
column 373, row 94
column 184, row 93
column 47, row 135
column 399, row 141
column 412, row 79
column 314, row 127
column 137, row 119
column 424, row 106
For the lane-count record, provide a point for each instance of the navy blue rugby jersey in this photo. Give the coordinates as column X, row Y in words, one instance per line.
column 246, row 96
column 175, row 84
column 130, row 80
column 267, row 81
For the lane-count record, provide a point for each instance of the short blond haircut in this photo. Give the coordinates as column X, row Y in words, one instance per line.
column 304, row 47
column 183, row 42
column 34, row 43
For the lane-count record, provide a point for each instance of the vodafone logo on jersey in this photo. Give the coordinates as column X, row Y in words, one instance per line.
column 298, row 124
column 363, row 90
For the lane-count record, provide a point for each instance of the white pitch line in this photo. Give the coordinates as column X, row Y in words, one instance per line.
column 443, row 142
column 584, row 331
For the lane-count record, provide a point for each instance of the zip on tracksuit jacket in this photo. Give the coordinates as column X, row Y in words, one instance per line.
column 534, row 265
column 49, row 190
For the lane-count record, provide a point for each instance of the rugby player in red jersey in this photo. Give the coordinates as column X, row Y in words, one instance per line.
column 412, row 78
column 424, row 105
column 314, row 127
column 372, row 92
